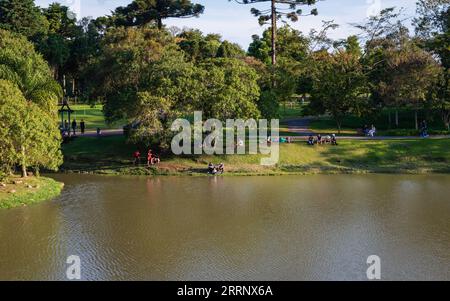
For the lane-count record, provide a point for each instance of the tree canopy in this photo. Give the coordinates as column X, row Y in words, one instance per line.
column 339, row 86
column 141, row 12
column 147, row 79
column 22, row 16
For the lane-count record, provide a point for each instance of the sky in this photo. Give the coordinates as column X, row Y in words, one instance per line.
column 235, row 22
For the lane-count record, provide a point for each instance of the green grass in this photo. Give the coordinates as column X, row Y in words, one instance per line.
column 93, row 117
column 110, row 155
column 290, row 110
column 42, row 189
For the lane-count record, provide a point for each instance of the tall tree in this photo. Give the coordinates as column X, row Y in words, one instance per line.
column 56, row 45
column 28, row 99
column 400, row 73
column 141, row 12
column 279, row 9
column 32, row 139
column 339, row 85
column 433, row 26
column 61, row 20
column 290, row 73
column 83, row 50
column 22, row 16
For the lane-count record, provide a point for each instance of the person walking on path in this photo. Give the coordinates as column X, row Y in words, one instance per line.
column 82, row 126
column 74, row 127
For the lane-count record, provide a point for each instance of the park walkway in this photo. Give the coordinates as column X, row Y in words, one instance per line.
column 300, row 127
column 105, row 133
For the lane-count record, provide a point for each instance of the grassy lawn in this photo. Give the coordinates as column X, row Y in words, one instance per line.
column 93, row 117
column 290, row 110
column 111, row 155
column 19, row 192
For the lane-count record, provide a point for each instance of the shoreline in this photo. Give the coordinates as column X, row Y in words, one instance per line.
column 283, row 171
column 28, row 191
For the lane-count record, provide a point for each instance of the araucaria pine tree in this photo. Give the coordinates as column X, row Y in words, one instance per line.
column 279, row 9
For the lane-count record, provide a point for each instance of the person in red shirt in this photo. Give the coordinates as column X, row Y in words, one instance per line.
column 149, row 157
column 137, row 157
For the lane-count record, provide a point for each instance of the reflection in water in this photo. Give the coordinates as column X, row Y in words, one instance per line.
column 233, row 228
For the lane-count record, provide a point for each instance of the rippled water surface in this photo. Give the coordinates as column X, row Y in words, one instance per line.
column 233, row 228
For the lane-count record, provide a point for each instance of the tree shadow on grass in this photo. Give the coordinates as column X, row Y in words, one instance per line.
column 391, row 156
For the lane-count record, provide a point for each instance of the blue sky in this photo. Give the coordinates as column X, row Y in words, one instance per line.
column 235, row 23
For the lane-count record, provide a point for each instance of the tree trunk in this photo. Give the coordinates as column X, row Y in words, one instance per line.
column 390, row 119
column 160, row 23
column 274, row 33
column 24, row 164
column 338, row 123
column 64, row 85
column 416, row 120
column 445, row 114
column 55, row 73
column 396, row 118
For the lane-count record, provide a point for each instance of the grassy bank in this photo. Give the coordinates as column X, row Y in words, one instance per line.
column 19, row 192
column 111, row 155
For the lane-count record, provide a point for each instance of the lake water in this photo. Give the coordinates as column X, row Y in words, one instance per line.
column 233, row 228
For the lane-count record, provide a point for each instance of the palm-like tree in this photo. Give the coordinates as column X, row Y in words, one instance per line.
column 25, row 68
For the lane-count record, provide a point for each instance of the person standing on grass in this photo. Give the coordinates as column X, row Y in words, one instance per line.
column 149, row 158
column 137, row 157
column 82, row 126
column 74, row 126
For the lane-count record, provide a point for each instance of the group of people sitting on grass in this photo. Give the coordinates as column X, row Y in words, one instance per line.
column 216, row 169
column 369, row 131
column 322, row 140
column 271, row 140
column 151, row 158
